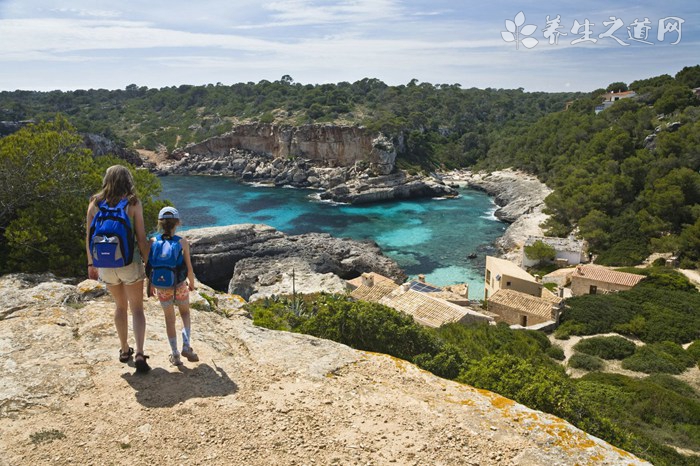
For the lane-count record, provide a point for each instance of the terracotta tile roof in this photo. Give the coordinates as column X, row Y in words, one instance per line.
column 381, row 287
column 523, row 302
column 357, row 282
column 606, row 275
column 430, row 311
column 551, row 297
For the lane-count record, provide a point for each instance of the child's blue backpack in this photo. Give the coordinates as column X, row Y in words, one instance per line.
column 111, row 236
column 165, row 262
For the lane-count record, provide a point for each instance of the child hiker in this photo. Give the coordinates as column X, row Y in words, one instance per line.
column 172, row 279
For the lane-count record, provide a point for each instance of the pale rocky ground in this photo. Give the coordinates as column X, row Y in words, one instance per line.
column 256, row 397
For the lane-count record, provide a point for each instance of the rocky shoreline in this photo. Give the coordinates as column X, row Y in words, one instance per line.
column 256, row 261
column 356, row 184
column 520, row 200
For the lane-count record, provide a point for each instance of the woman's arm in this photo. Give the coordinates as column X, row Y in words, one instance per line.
column 140, row 230
column 188, row 262
column 91, row 211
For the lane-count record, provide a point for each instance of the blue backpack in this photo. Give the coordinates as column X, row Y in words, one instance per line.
column 165, row 262
column 111, row 236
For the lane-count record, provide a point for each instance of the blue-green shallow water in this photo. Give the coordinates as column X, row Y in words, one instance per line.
column 426, row 236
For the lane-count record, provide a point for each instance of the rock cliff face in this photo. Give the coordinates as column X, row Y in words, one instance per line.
column 256, row 397
column 325, row 146
column 257, row 260
column 349, row 164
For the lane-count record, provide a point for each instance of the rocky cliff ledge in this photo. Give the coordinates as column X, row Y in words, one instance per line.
column 257, row 260
column 324, row 145
column 348, row 163
column 256, row 397
column 520, row 199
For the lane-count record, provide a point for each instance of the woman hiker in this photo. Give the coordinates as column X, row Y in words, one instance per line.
column 114, row 219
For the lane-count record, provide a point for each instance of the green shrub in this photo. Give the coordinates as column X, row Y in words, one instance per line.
column 565, row 330
column 586, row 362
column 694, row 351
column 665, row 357
column 674, row 384
column 555, row 352
column 597, row 313
column 606, row 347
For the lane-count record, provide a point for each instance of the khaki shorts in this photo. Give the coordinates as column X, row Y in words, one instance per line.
column 127, row 275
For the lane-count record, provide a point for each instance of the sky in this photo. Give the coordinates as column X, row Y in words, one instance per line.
column 96, row 44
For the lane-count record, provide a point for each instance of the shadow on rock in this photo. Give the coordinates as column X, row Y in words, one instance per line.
column 161, row 388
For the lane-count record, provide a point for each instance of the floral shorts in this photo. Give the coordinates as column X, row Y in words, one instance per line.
column 180, row 295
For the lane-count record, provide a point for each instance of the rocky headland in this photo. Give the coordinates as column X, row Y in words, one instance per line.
column 349, row 164
column 255, row 261
column 520, row 200
column 256, row 397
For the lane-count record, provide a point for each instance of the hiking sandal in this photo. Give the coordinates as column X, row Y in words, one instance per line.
column 124, row 356
column 189, row 353
column 140, row 362
column 175, row 360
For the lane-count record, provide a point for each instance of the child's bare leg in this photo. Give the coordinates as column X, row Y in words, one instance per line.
column 187, row 350
column 169, row 312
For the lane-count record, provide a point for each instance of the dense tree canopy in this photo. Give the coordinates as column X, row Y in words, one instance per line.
column 46, row 179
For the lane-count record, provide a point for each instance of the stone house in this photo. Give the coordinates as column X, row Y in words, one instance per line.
column 504, row 274
column 592, row 279
column 569, row 251
column 516, row 308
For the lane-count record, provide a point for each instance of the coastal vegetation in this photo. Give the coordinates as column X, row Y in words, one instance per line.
column 46, row 179
column 654, row 311
column 641, row 416
column 627, row 177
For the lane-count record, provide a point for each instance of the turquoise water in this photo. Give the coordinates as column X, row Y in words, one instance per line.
column 426, row 236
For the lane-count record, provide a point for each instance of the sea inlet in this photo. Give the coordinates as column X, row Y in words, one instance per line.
column 434, row 237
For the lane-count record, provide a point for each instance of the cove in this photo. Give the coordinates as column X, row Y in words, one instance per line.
column 424, row 236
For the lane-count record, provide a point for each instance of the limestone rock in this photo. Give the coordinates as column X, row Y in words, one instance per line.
column 520, row 199
column 385, row 188
column 264, row 277
column 256, row 397
column 324, row 145
column 218, row 255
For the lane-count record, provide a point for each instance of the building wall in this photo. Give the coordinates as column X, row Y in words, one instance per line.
column 582, row 285
column 513, row 316
column 491, row 284
column 572, row 257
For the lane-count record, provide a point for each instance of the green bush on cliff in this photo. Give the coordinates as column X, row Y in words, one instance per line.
column 46, row 179
column 606, row 347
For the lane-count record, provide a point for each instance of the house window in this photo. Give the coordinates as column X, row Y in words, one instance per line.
column 523, row 321
column 488, row 276
column 486, row 294
column 507, row 283
column 592, row 289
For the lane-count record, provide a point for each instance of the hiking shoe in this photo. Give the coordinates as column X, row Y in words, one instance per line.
column 140, row 362
column 175, row 360
column 189, row 353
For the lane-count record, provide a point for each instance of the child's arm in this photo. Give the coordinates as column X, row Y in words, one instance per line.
column 188, row 262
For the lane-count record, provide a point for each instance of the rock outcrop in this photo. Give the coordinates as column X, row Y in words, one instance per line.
column 520, row 199
column 100, row 146
column 400, row 185
column 256, row 397
column 250, row 259
column 324, row 145
column 349, row 164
